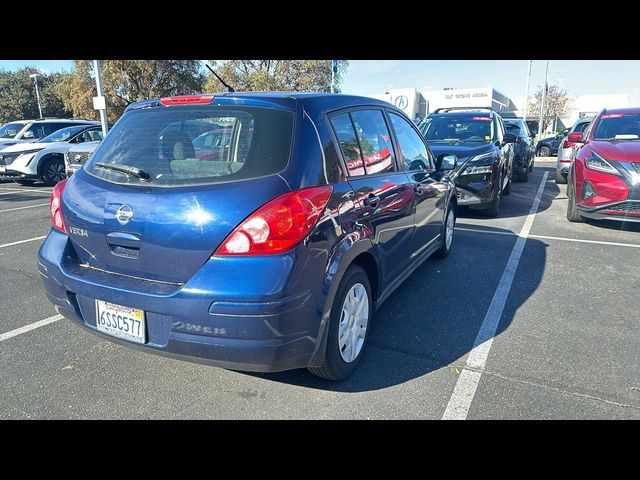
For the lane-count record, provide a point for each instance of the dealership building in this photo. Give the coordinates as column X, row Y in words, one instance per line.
column 420, row 103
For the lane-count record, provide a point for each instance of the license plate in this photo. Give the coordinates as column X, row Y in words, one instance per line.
column 3, row 168
column 120, row 321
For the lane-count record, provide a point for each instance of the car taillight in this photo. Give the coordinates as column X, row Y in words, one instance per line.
column 56, row 206
column 186, row 100
column 568, row 144
column 278, row 225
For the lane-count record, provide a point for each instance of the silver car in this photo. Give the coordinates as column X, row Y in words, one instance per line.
column 565, row 148
column 78, row 155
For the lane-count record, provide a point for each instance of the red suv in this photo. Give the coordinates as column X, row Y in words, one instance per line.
column 604, row 178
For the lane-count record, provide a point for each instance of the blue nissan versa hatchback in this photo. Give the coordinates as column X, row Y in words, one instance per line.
column 264, row 246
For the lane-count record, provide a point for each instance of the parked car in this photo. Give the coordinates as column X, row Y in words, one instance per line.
column 44, row 159
column 566, row 146
column 277, row 263
column 24, row 131
column 77, row 155
column 548, row 147
column 605, row 172
column 523, row 156
column 483, row 149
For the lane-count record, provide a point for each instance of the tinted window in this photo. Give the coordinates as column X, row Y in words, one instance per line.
column 37, row 129
column 348, row 143
column 466, row 128
column 160, row 142
column 581, row 127
column 612, row 124
column 62, row 135
column 10, row 130
column 412, row 147
column 375, row 142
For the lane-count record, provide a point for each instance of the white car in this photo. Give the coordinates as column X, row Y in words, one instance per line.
column 44, row 159
column 25, row 131
column 566, row 147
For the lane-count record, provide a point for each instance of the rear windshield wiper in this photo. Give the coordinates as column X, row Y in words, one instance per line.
column 135, row 171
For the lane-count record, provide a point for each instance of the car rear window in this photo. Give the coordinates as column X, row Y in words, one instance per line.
column 195, row 145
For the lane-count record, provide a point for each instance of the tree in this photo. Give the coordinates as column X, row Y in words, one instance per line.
column 275, row 75
column 556, row 102
column 18, row 95
column 127, row 81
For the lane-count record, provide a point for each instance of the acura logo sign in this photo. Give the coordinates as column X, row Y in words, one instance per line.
column 401, row 102
column 124, row 214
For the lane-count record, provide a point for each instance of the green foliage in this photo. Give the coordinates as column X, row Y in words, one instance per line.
column 18, row 95
column 127, row 81
column 275, row 75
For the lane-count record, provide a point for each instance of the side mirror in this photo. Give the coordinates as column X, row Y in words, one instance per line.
column 575, row 137
column 446, row 163
column 510, row 138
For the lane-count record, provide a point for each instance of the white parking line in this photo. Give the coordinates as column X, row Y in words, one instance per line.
column 24, row 208
column 546, row 237
column 467, row 384
column 31, row 326
column 22, row 241
column 598, row 242
column 16, row 191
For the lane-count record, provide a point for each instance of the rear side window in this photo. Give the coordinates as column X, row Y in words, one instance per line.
column 581, row 127
column 365, row 142
column 195, row 145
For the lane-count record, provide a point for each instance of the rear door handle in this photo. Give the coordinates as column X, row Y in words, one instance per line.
column 372, row 200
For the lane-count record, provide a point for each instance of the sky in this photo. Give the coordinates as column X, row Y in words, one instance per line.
column 369, row 77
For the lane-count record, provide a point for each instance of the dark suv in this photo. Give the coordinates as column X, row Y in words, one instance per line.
column 483, row 151
column 266, row 245
column 523, row 155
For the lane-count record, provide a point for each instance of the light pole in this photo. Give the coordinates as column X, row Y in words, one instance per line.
column 544, row 94
column 35, row 79
column 526, row 93
column 99, row 101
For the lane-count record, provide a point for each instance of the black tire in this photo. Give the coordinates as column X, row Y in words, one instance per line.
column 493, row 210
column 560, row 180
column 53, row 171
column 524, row 176
column 544, row 152
column 334, row 366
column 444, row 250
column 24, row 182
column 572, row 211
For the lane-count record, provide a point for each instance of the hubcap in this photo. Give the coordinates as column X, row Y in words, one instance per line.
column 449, row 230
column 56, row 172
column 354, row 319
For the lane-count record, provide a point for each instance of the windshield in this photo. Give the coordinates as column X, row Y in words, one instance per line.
column 618, row 126
column 454, row 128
column 10, row 130
column 194, row 145
column 63, row 135
column 516, row 126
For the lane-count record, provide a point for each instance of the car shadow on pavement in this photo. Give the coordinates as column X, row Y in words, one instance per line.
column 15, row 197
column 615, row 225
column 433, row 318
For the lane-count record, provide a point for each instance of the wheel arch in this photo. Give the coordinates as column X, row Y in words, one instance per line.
column 45, row 158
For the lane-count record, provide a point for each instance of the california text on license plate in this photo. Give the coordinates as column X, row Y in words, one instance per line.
column 119, row 321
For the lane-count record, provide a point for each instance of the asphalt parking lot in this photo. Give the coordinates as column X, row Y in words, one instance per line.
column 555, row 304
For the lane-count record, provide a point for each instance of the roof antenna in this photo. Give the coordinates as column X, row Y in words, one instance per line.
column 229, row 89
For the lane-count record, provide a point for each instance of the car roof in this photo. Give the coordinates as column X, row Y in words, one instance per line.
column 324, row 101
column 621, row 110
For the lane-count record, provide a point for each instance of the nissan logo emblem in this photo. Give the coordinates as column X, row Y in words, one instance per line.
column 124, row 214
column 401, row 102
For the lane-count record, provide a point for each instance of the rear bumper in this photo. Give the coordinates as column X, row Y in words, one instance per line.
column 203, row 321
